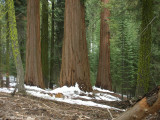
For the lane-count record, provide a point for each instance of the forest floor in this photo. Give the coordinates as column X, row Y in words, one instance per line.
column 66, row 103
column 33, row 108
column 29, row 107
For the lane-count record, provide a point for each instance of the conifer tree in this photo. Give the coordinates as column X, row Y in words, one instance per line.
column 44, row 42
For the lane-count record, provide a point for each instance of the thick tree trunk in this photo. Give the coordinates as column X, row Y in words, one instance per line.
column 148, row 105
column 75, row 66
column 143, row 77
column 44, row 42
column 33, row 47
column 103, row 76
column 15, row 45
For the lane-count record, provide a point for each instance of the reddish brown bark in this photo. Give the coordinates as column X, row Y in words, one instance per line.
column 33, row 46
column 103, row 76
column 75, row 66
column 148, row 105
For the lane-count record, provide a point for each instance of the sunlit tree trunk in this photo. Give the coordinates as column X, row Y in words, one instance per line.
column 75, row 65
column 44, row 42
column 145, row 49
column 15, row 46
column 33, row 46
column 103, row 76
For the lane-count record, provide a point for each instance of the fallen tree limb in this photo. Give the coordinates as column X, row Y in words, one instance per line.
column 149, row 104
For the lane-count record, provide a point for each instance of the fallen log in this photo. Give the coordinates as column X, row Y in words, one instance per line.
column 149, row 104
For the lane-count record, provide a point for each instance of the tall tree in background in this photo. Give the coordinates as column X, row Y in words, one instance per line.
column 33, row 47
column 56, row 44
column 44, row 42
column 7, row 51
column 75, row 65
column 1, row 78
column 15, row 46
column 103, row 76
column 145, row 48
column 52, row 50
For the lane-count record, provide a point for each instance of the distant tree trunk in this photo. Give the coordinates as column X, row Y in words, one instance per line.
column 103, row 76
column 1, row 78
column 7, row 52
column 75, row 65
column 33, row 47
column 44, row 42
column 52, row 50
column 15, row 45
column 59, row 35
column 145, row 49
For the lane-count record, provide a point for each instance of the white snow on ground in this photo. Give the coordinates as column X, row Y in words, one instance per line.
column 70, row 95
column 102, row 90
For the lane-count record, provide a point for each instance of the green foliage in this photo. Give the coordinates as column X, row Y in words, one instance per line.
column 124, row 47
column 93, row 35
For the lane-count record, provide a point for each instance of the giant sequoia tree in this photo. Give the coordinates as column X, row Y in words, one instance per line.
column 145, row 48
column 33, row 47
column 103, row 76
column 75, row 66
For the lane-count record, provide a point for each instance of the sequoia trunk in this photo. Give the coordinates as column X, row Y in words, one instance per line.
column 75, row 65
column 103, row 76
column 33, row 47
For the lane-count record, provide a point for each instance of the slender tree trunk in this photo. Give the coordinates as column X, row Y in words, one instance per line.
column 103, row 76
column 52, row 50
column 145, row 49
column 1, row 78
column 75, row 65
column 33, row 47
column 7, row 52
column 59, row 36
column 44, row 42
column 15, row 45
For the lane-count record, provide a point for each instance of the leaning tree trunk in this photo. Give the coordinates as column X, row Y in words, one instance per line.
column 15, row 46
column 145, row 49
column 33, row 47
column 103, row 76
column 44, row 42
column 148, row 105
column 75, row 65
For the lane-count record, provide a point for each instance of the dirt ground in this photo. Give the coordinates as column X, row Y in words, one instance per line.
column 32, row 108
